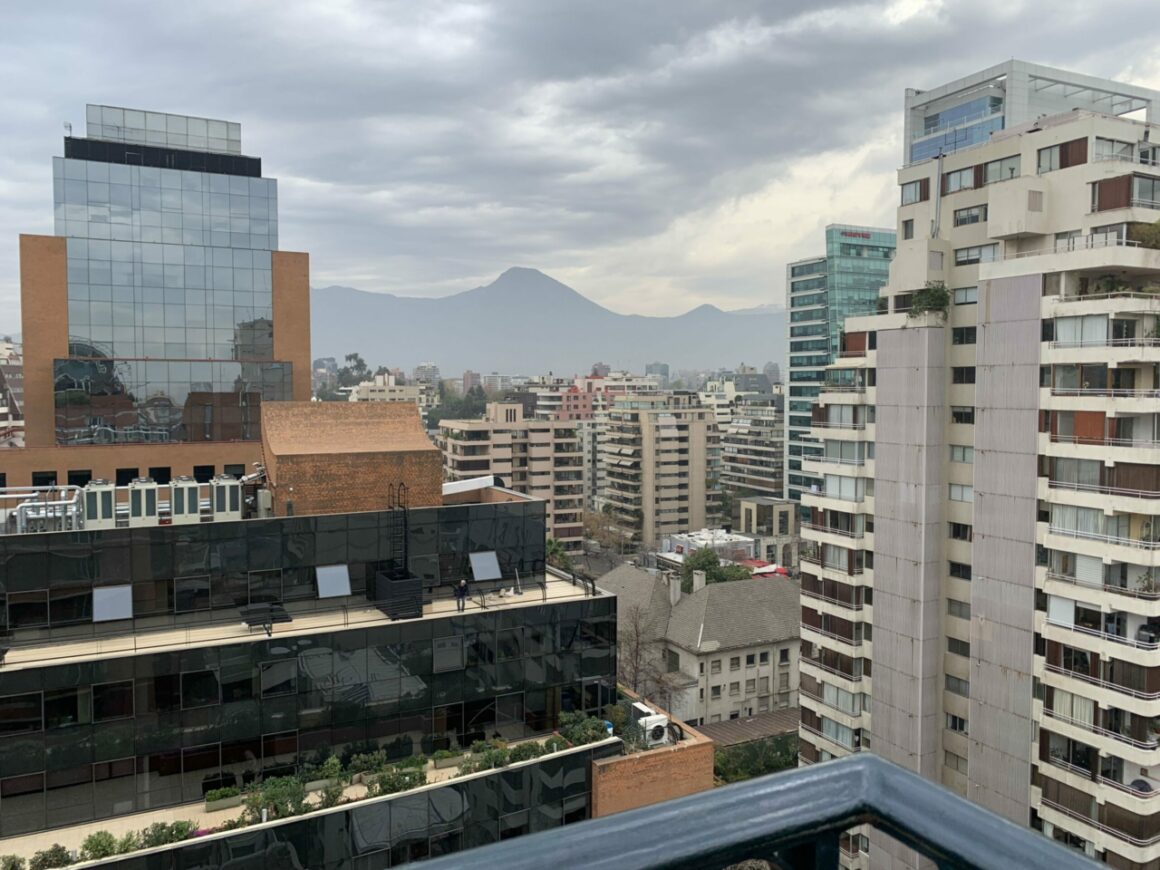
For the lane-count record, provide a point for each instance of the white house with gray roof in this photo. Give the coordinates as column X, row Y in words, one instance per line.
column 727, row 650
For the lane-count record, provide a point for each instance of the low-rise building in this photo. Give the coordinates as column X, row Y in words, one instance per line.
column 775, row 526
column 725, row 651
column 386, row 388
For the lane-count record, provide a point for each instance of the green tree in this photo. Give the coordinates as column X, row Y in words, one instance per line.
column 354, row 372
column 756, row 758
column 97, row 845
column 557, row 556
column 706, row 559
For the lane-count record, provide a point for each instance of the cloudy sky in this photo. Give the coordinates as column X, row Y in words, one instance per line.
column 654, row 155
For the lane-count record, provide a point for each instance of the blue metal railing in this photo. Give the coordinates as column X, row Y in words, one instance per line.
column 795, row 818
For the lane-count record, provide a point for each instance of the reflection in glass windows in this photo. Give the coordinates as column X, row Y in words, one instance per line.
column 116, row 401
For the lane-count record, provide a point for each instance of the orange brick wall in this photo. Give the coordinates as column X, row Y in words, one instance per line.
column 646, row 778
column 328, row 483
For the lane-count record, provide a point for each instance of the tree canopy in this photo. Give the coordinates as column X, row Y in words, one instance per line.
column 706, row 559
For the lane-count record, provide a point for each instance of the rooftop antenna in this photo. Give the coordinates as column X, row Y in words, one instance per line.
column 68, row 128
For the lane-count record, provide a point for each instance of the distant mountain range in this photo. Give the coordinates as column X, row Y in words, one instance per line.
column 526, row 322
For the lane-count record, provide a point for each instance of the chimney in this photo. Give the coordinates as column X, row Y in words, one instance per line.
column 673, row 579
column 698, row 581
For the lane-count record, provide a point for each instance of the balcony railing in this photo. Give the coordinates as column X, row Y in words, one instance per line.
column 1136, row 341
column 796, row 817
column 1137, row 543
column 1105, row 732
column 1106, row 490
column 830, row 530
column 1099, row 826
column 1148, row 594
column 1103, row 684
column 1103, row 635
column 1104, row 442
column 1106, row 392
column 1082, row 243
column 849, row 605
column 826, row 424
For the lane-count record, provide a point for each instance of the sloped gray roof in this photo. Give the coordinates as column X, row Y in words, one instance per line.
column 722, row 616
column 736, row 614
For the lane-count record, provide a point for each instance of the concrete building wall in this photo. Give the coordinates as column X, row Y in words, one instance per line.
column 1003, row 585
column 909, row 528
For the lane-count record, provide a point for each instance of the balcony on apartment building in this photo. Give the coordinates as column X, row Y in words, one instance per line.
column 1115, row 579
column 1101, row 675
column 834, row 592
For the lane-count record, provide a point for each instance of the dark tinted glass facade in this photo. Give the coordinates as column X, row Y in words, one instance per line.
column 388, row 832
column 114, row 735
column 183, row 575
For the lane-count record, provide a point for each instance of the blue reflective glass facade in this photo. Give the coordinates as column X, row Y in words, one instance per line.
column 958, row 127
column 822, row 294
column 168, row 263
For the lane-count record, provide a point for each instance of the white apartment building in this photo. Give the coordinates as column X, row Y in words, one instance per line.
column 385, row 388
column 662, row 458
column 977, row 576
column 540, row 458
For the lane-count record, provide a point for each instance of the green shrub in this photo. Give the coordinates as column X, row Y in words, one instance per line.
column 219, row 794
column 54, row 856
column 162, row 833
column 331, row 768
column 281, row 797
column 525, row 751
column 555, row 743
column 579, row 728
column 412, row 761
column 488, row 759
column 444, row 754
column 933, row 297
column 331, row 795
column 368, row 762
column 131, row 842
column 11, row 862
column 99, row 844
column 480, row 746
column 395, row 780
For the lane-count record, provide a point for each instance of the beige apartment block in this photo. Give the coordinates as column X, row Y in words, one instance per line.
column 539, row 458
column 662, row 458
column 977, row 572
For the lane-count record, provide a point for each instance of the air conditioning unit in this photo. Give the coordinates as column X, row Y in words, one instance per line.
column 640, row 711
column 656, row 730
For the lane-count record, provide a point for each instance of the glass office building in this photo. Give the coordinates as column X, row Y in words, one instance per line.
column 130, row 682
column 821, row 292
column 170, row 231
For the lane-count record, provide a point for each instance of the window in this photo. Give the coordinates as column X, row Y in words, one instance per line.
column 79, row 477
column 112, row 603
column 783, row 682
column 763, row 685
column 961, row 179
column 764, row 658
column 735, row 688
column 125, row 476
column 1048, row 159
column 203, row 473
column 672, row 661
column 958, row 647
column 973, row 215
column 237, row 471
column 960, row 609
column 783, row 656
column 962, row 453
column 977, row 254
column 960, row 532
column 161, row 474
column 1146, row 191
column 915, row 191
column 701, row 668
column 716, row 717
column 962, row 374
column 44, row 478
column 962, row 492
column 750, row 687
column 961, row 570
column 1001, row 170
column 908, row 229
column 21, row 714
column 956, row 723
column 281, row 677
column 715, row 666
column 955, row 762
column 751, row 660
column 115, row 700
column 963, row 335
column 735, row 663
column 963, row 414
column 966, row 295
column 958, row 686
column 715, row 692
column 199, row 689
column 191, row 593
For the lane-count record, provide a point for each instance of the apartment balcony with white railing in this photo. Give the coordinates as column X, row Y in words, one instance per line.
column 1118, row 499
